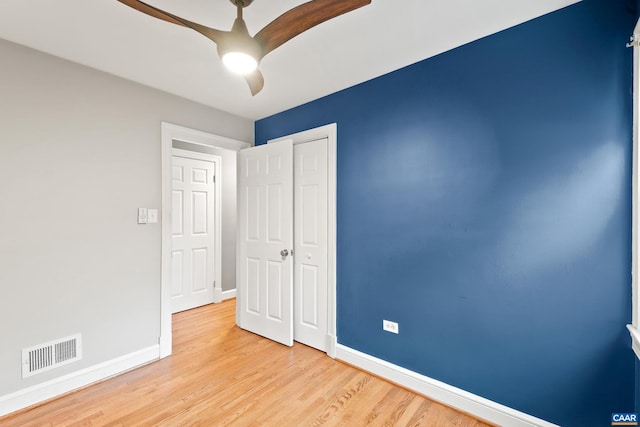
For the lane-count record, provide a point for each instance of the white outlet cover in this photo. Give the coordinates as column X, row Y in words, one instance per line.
column 390, row 326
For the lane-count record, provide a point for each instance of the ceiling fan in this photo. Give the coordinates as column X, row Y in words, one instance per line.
column 242, row 53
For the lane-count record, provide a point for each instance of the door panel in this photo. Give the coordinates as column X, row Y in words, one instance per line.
column 309, row 295
column 309, row 227
column 310, row 246
column 274, row 213
column 199, row 208
column 252, row 287
column 274, row 290
column 265, row 207
column 199, row 257
column 193, row 240
column 177, row 209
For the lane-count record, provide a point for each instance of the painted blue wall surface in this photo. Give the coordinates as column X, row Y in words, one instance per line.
column 484, row 203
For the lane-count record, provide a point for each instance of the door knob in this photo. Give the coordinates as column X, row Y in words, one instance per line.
column 284, row 253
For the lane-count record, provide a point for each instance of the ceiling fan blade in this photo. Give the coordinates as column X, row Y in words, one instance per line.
column 255, row 81
column 211, row 33
column 301, row 18
column 151, row 11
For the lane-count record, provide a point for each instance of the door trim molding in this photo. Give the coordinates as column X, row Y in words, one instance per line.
column 169, row 133
column 330, row 132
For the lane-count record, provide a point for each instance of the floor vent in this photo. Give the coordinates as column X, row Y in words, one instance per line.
column 47, row 356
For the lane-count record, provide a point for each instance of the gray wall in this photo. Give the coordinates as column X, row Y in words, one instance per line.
column 228, row 196
column 79, row 153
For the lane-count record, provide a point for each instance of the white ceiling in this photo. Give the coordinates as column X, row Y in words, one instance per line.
column 353, row 48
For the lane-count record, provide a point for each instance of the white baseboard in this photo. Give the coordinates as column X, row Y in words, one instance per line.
column 228, row 294
column 332, row 342
column 454, row 397
column 217, row 295
column 57, row 386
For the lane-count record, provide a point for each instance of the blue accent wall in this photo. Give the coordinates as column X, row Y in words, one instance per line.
column 484, row 204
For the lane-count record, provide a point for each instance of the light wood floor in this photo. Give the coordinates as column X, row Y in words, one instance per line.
column 221, row 375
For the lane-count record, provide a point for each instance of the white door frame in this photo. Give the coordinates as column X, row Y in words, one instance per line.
column 217, row 221
column 171, row 132
column 331, row 133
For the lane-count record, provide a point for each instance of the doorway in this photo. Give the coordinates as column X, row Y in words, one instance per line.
column 266, row 269
column 193, row 140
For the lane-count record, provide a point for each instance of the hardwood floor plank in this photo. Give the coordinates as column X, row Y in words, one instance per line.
column 220, row 375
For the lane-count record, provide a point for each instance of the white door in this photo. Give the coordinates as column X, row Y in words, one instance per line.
column 265, row 265
column 193, row 239
column 310, row 244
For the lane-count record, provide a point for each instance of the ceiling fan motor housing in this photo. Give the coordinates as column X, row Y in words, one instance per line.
column 239, row 40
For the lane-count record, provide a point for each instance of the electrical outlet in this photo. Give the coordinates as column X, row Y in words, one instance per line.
column 390, row 326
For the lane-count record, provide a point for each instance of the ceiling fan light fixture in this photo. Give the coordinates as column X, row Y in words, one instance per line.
column 239, row 51
column 239, row 62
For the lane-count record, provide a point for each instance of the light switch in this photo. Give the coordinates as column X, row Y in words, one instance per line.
column 142, row 215
column 153, row 216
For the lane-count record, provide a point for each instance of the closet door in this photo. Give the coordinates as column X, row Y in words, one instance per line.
column 310, row 283
column 265, row 263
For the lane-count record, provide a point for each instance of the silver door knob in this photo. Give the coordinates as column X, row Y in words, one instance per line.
column 284, row 253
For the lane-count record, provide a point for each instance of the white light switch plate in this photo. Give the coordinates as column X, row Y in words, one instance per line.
column 142, row 215
column 153, row 216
